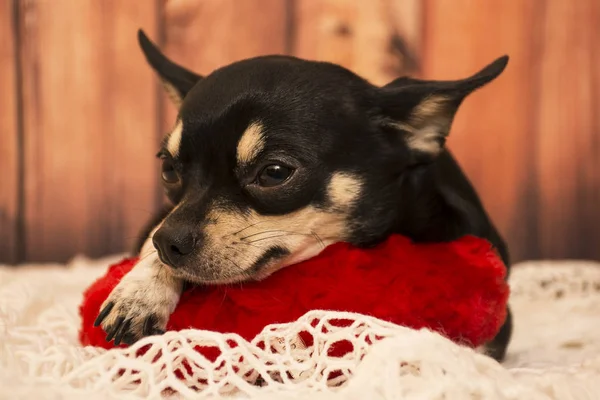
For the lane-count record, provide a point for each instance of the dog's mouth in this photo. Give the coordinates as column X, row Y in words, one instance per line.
column 194, row 278
column 271, row 256
column 227, row 271
column 223, row 269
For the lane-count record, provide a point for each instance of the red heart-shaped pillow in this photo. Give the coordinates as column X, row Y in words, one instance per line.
column 456, row 288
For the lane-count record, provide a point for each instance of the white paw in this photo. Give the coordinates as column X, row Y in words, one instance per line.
column 139, row 306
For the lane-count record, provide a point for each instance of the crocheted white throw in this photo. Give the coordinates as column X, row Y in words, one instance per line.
column 555, row 353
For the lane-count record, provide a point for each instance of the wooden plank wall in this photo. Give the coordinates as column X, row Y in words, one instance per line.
column 10, row 250
column 89, row 109
column 81, row 113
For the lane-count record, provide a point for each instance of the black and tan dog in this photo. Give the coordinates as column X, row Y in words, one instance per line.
column 273, row 158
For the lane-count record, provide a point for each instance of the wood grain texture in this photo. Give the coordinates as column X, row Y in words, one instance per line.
column 81, row 120
column 9, row 149
column 493, row 135
column 378, row 39
column 592, row 210
column 568, row 144
column 90, row 125
column 204, row 35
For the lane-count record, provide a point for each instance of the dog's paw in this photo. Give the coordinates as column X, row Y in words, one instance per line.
column 136, row 308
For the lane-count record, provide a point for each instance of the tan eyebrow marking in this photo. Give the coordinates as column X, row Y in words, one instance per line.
column 174, row 139
column 344, row 188
column 251, row 143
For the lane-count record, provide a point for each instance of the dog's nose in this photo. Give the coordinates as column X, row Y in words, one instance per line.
column 173, row 245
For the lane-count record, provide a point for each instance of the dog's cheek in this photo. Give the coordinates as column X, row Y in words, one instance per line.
column 374, row 216
column 243, row 239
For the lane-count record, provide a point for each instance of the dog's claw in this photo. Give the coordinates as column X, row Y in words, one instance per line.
column 128, row 339
column 149, row 324
column 115, row 329
column 103, row 314
column 122, row 332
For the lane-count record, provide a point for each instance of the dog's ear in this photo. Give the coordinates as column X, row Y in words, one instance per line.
column 176, row 79
column 423, row 110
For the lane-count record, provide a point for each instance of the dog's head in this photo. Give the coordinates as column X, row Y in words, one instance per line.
column 273, row 158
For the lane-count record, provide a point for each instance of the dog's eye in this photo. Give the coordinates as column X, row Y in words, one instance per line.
column 273, row 175
column 168, row 173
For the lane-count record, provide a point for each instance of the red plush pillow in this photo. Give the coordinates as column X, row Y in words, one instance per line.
column 457, row 289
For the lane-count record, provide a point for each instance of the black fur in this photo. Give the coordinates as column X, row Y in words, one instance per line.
column 272, row 253
column 320, row 118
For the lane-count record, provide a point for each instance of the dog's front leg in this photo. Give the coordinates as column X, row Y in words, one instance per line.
column 140, row 305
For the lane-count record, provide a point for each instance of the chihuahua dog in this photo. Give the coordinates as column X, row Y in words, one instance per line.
column 273, row 158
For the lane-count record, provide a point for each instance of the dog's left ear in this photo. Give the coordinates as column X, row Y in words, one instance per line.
column 422, row 111
column 177, row 80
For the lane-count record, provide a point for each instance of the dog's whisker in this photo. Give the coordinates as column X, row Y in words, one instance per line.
column 277, row 236
column 318, row 238
column 243, row 229
column 239, row 251
column 240, row 269
column 247, row 244
column 143, row 257
column 274, row 231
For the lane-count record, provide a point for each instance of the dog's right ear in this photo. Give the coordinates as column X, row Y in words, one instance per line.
column 422, row 111
column 177, row 80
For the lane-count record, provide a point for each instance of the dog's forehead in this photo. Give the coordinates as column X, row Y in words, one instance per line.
column 275, row 81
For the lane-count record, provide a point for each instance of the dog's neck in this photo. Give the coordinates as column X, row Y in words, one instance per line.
column 431, row 210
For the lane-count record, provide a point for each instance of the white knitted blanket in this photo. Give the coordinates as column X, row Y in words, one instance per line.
column 555, row 353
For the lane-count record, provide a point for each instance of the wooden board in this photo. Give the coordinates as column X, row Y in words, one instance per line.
column 568, row 130
column 204, row 35
column 494, row 135
column 378, row 39
column 90, row 126
column 9, row 143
